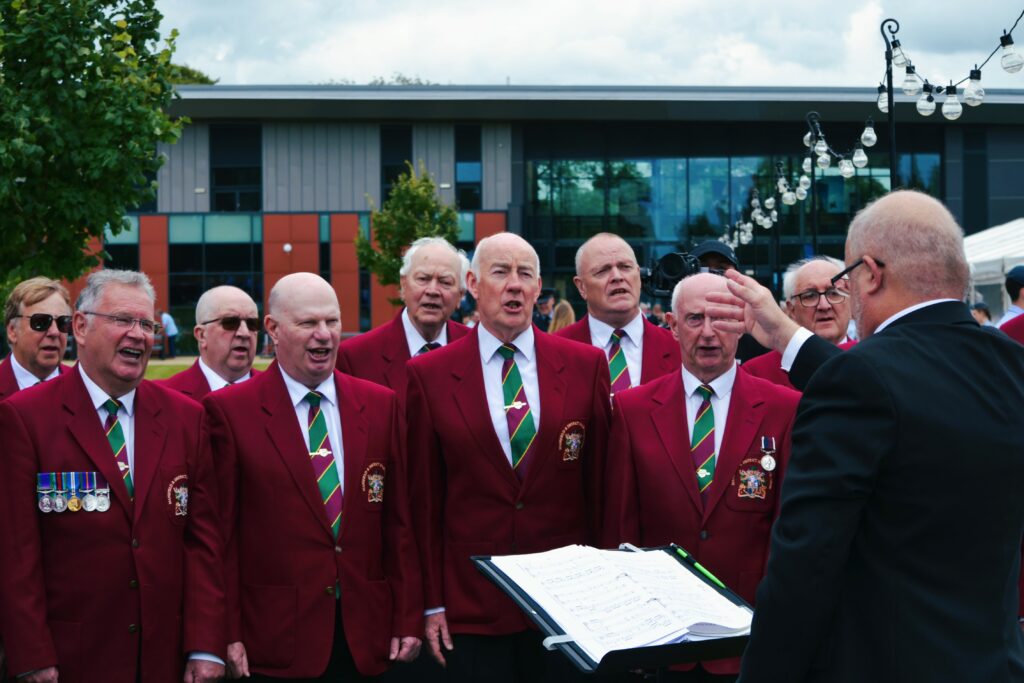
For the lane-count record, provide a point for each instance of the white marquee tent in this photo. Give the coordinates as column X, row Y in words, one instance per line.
column 994, row 251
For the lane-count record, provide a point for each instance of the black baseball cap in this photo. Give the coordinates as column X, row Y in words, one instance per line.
column 1016, row 274
column 720, row 248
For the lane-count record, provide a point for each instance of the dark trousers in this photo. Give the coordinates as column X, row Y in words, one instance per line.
column 340, row 669
column 516, row 658
column 423, row 669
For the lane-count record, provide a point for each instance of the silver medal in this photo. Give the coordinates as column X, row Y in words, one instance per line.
column 60, row 502
column 45, row 503
column 89, row 502
column 102, row 501
column 767, row 462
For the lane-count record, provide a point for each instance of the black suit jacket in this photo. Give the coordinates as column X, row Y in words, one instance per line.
column 897, row 550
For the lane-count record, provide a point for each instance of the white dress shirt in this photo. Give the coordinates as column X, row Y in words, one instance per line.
column 722, row 386
column 1012, row 312
column 25, row 378
column 492, row 361
column 125, row 414
column 329, row 406
column 215, row 381
column 632, row 343
column 415, row 340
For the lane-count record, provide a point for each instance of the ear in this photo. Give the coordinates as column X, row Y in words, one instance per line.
column 876, row 281
column 580, row 286
column 670, row 318
column 12, row 332
column 473, row 285
column 540, row 284
column 270, row 325
column 199, row 332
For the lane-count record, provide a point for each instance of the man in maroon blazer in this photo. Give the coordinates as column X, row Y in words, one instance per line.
column 433, row 279
column 813, row 302
column 322, row 574
column 697, row 457
column 38, row 320
column 108, row 525
column 509, row 426
column 608, row 279
column 227, row 325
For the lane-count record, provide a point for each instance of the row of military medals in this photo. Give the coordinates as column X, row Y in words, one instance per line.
column 74, row 491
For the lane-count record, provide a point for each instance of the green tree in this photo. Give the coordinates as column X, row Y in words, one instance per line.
column 186, row 75
column 83, row 87
column 411, row 211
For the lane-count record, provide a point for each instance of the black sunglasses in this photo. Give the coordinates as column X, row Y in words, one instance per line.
column 233, row 322
column 846, row 271
column 40, row 322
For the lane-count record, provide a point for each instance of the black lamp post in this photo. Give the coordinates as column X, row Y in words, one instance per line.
column 892, row 26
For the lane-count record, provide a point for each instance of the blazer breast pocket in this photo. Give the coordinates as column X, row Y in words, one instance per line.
column 175, row 493
column 572, row 438
column 373, row 485
column 752, row 487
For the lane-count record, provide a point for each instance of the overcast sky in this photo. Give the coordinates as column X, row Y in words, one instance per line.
column 587, row 42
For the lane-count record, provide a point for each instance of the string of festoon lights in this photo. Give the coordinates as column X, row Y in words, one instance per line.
column 916, row 85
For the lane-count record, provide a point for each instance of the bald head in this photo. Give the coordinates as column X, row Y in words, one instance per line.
column 505, row 281
column 707, row 353
column 497, row 243
column 304, row 321
column 227, row 325
column 608, row 279
column 213, row 300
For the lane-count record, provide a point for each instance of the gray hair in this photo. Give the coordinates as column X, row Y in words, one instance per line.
column 789, row 277
column 919, row 241
column 427, row 241
column 99, row 280
column 475, row 265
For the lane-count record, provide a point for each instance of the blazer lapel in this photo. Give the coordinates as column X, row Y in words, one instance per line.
column 284, row 432
column 551, row 389
column 746, row 411
column 86, row 429
column 395, row 354
column 669, row 417
column 656, row 360
column 355, row 437
column 150, row 434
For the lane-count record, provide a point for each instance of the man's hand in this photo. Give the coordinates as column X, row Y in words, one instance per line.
column 47, row 675
column 404, row 649
column 436, row 629
column 203, row 671
column 238, row 663
column 753, row 309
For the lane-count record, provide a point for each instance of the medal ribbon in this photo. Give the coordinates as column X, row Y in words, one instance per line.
column 115, row 435
column 702, row 442
column 521, row 430
column 617, row 363
column 321, row 456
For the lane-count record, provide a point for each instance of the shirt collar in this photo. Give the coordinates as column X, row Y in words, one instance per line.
column 413, row 337
column 25, row 378
column 907, row 311
column 214, row 379
column 99, row 397
column 722, row 384
column 297, row 391
column 489, row 343
column 602, row 331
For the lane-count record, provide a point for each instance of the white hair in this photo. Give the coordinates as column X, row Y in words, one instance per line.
column 101, row 279
column 475, row 265
column 789, row 277
column 427, row 241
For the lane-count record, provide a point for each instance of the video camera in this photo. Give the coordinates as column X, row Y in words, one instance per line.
column 660, row 279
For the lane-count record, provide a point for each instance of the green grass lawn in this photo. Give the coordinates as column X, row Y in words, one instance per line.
column 165, row 370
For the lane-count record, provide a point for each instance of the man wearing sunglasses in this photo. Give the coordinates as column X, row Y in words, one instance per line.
column 38, row 316
column 227, row 325
column 813, row 302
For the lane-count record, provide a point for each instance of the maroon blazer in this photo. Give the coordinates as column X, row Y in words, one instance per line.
column 769, row 366
column 192, row 382
column 283, row 563
column 9, row 383
column 1015, row 329
column 660, row 353
column 469, row 500
column 380, row 354
column 652, row 496
column 98, row 593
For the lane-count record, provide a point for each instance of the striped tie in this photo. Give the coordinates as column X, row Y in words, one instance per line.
column 702, row 443
column 115, row 436
column 428, row 347
column 521, row 430
column 322, row 458
column 617, row 364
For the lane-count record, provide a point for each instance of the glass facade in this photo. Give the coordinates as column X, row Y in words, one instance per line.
column 123, row 248
column 395, row 153
column 468, row 168
column 236, row 167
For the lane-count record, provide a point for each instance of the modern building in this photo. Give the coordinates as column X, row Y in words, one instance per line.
column 272, row 179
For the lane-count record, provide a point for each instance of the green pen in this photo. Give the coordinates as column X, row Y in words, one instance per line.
column 686, row 556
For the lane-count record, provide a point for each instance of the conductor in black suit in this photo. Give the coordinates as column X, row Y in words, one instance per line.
column 897, row 550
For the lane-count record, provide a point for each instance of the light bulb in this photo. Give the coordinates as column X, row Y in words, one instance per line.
column 912, row 83
column 926, row 103
column 846, row 168
column 1011, row 59
column 769, row 203
column 860, row 159
column 807, row 139
column 807, row 165
column 756, row 214
column 774, row 216
column 745, row 238
column 868, row 138
column 789, row 198
column 804, row 182
column 801, row 193
column 755, row 203
column 782, row 185
column 898, row 58
column 824, row 161
column 951, row 108
column 820, row 147
column 883, row 99
column 748, row 226
column 974, row 94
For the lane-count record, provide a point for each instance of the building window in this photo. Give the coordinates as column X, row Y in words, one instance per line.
column 395, row 153
column 236, row 174
column 325, row 247
column 123, row 248
column 468, row 168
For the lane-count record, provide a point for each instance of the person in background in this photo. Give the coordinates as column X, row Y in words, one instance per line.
column 542, row 311
column 982, row 314
column 170, row 335
column 562, row 317
column 38, row 320
column 1015, row 289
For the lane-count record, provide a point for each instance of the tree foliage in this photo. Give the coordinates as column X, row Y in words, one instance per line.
column 186, row 75
column 83, row 87
column 411, row 211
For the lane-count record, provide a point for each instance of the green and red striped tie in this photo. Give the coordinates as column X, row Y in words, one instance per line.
column 617, row 364
column 321, row 456
column 521, row 430
column 115, row 436
column 702, row 442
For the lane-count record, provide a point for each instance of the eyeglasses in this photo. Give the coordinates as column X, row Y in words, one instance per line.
column 811, row 297
column 233, row 322
column 846, row 271
column 40, row 322
column 126, row 323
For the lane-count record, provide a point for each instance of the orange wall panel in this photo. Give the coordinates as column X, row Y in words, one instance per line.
column 302, row 232
column 345, row 268
column 153, row 257
column 382, row 310
column 488, row 224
